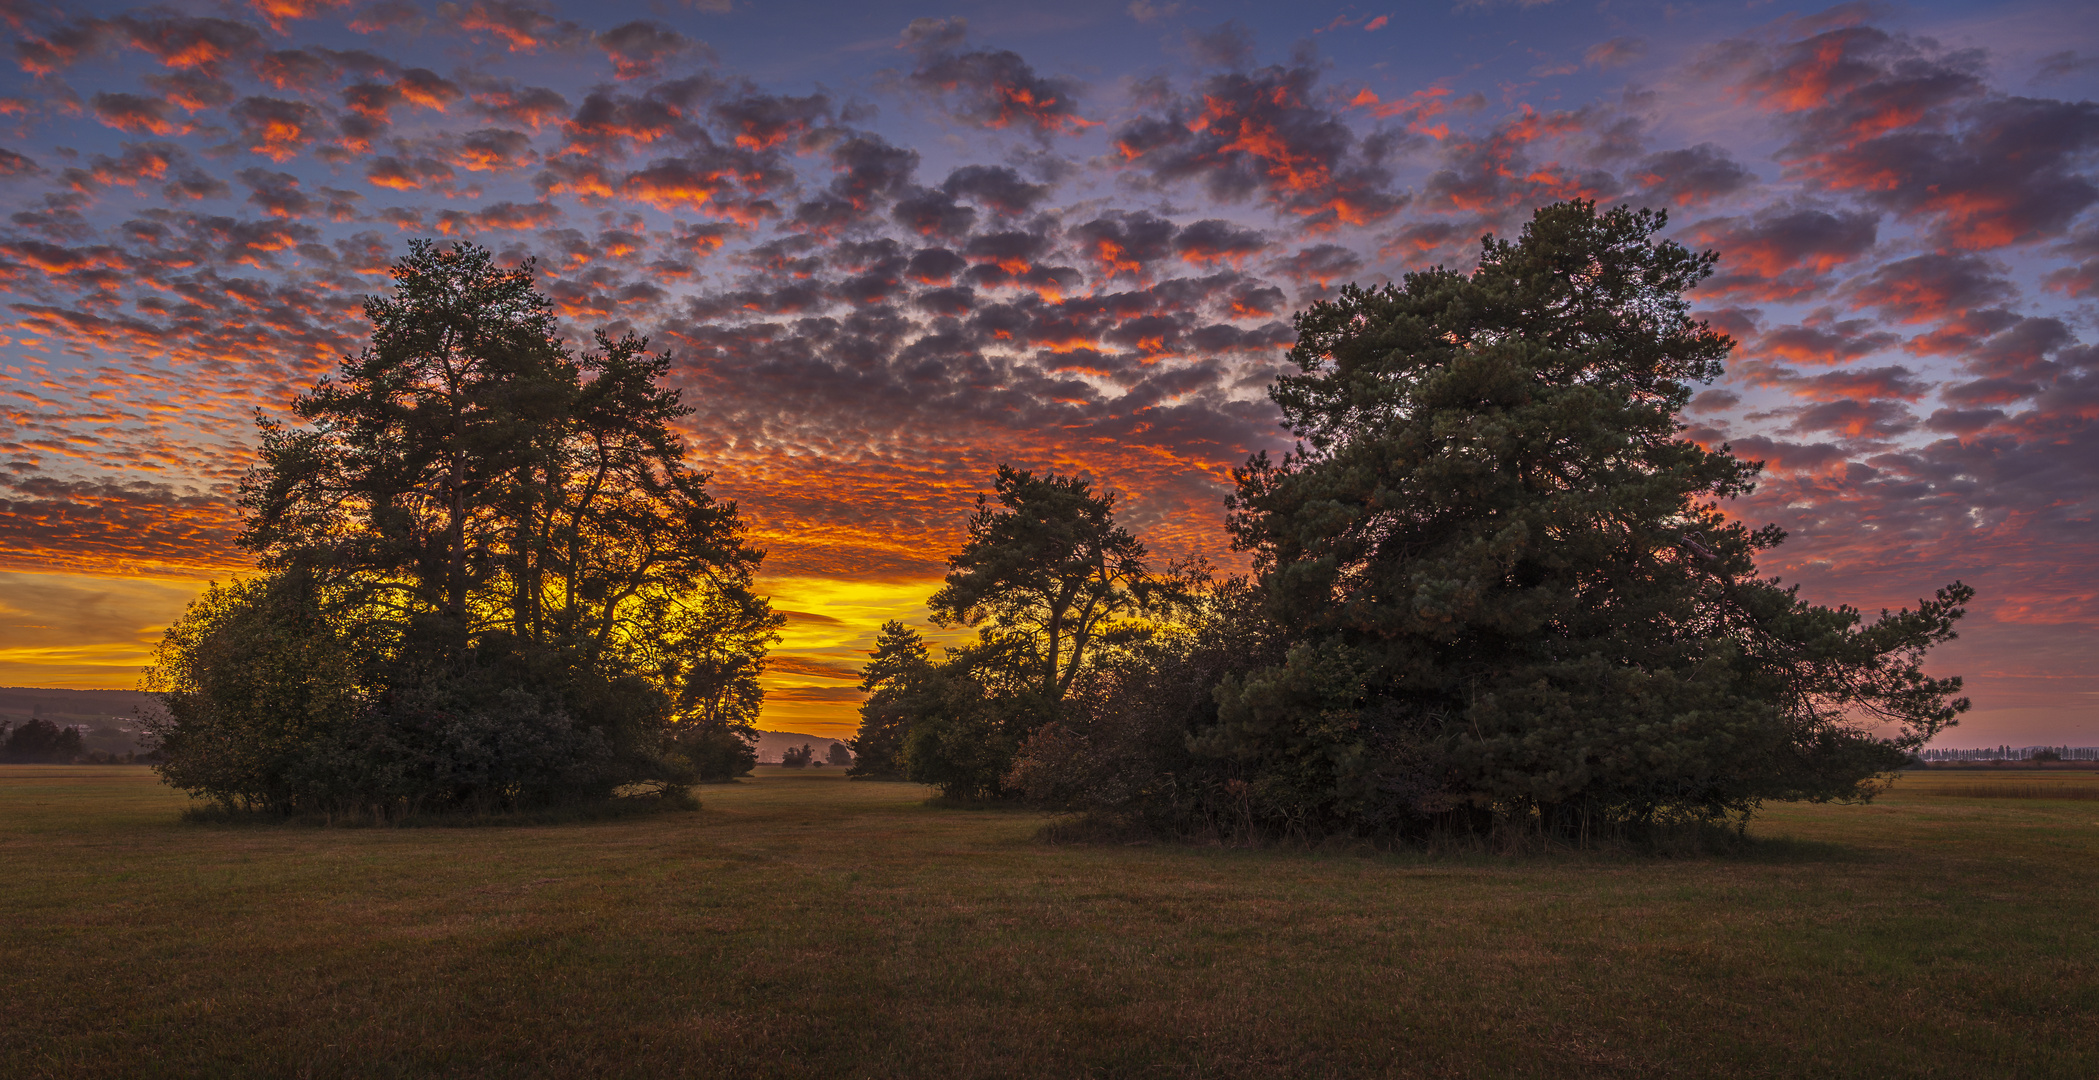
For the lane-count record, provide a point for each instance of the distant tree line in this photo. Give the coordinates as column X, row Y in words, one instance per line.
column 488, row 580
column 803, row 756
column 1492, row 584
column 39, row 742
column 2014, row 753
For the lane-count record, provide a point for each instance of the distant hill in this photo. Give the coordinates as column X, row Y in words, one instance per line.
column 19, row 703
column 107, row 718
column 771, row 744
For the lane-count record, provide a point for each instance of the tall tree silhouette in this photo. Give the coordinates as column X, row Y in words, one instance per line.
column 497, row 552
column 466, row 466
column 1502, row 561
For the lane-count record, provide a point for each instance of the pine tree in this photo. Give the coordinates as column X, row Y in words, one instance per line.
column 898, row 681
column 1508, row 573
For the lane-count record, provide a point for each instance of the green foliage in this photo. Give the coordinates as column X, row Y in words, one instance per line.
column 264, row 710
column 1507, row 578
column 953, row 724
column 964, row 739
column 39, row 741
column 254, row 683
column 491, row 579
column 1051, row 584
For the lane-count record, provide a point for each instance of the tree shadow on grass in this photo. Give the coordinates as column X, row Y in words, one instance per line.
column 1502, row 847
column 1788, row 850
column 606, row 810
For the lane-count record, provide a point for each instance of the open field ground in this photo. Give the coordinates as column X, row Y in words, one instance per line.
column 803, row 925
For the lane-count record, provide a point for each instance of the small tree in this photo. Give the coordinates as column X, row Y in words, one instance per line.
column 839, row 755
column 259, row 694
column 717, row 754
column 898, row 679
column 1044, row 575
column 798, row 757
column 1049, row 582
column 970, row 722
column 1120, row 752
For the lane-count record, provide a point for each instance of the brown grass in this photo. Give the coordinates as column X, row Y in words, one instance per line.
column 2020, row 791
column 802, row 925
column 2060, row 783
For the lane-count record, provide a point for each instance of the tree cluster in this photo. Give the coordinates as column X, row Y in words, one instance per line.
column 1052, row 585
column 1492, row 583
column 39, row 742
column 489, row 579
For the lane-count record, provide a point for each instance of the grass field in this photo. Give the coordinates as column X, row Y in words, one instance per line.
column 803, row 925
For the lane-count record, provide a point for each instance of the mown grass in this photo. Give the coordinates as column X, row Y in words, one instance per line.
column 803, row 925
column 2078, row 785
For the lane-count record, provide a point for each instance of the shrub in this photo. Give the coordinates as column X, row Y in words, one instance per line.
column 716, row 753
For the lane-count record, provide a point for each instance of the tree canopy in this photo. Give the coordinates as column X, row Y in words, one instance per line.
column 1498, row 553
column 895, row 680
column 1051, row 583
column 1493, row 582
column 480, row 549
column 39, row 741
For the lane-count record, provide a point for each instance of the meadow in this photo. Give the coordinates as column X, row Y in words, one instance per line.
column 803, row 925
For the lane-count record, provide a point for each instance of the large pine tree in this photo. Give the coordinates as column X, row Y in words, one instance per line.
column 1508, row 574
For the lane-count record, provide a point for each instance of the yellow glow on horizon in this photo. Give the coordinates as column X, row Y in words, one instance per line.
column 85, row 631
column 812, row 683
column 94, row 632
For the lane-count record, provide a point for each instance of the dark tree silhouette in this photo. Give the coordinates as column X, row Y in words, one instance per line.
column 1506, row 573
column 898, row 681
column 1044, row 572
column 490, row 576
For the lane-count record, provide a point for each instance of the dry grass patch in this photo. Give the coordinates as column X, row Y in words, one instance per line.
column 2080, row 785
column 2082, row 792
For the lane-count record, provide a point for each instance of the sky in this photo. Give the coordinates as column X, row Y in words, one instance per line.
column 892, row 246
